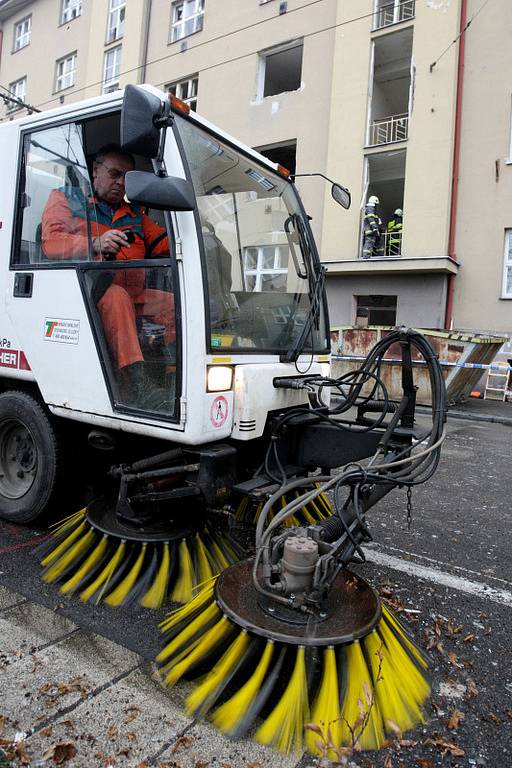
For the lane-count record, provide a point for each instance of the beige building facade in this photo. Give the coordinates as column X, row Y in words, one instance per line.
column 341, row 87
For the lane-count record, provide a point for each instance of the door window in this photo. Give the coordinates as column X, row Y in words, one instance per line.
column 55, row 183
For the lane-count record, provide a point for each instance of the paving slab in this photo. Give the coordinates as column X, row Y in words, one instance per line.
column 28, row 626
column 41, row 685
column 121, row 725
column 9, row 598
column 202, row 745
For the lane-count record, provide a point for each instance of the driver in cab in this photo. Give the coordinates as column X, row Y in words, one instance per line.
column 117, row 230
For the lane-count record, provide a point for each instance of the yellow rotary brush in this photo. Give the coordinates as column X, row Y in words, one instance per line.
column 312, row 512
column 118, row 565
column 352, row 674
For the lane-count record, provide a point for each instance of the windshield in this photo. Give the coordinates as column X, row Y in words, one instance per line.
column 259, row 262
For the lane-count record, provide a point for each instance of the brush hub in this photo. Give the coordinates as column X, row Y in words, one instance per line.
column 350, row 612
column 102, row 517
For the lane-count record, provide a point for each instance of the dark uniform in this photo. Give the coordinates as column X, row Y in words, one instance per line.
column 372, row 241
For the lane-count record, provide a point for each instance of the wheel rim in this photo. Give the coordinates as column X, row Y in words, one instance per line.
column 18, row 459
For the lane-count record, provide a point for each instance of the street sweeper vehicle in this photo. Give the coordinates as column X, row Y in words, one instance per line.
column 165, row 354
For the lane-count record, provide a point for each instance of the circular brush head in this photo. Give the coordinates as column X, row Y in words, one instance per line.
column 95, row 556
column 346, row 680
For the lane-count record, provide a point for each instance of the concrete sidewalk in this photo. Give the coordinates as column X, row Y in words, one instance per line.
column 494, row 411
column 66, row 693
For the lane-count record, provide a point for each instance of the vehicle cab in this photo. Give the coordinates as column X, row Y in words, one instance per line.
column 234, row 264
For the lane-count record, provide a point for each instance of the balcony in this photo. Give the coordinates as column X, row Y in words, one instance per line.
column 393, row 13
column 385, row 130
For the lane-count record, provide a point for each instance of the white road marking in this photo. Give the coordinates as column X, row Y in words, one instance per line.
column 442, row 563
column 501, row 596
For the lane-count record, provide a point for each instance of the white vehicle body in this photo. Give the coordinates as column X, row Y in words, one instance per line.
column 46, row 336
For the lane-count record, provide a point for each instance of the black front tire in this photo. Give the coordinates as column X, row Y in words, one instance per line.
column 30, row 458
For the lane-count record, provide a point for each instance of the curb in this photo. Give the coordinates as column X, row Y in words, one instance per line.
column 472, row 416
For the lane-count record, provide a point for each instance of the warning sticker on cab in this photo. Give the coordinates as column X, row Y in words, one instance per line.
column 61, row 330
column 219, row 411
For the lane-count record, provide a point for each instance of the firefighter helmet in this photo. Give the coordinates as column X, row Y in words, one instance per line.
column 373, row 200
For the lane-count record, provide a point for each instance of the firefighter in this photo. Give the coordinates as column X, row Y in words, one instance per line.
column 118, row 231
column 372, row 234
column 394, row 231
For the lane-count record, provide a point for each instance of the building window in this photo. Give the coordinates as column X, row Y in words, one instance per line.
column 284, row 154
column 111, row 70
column 66, row 71
column 116, row 14
column 507, row 266
column 187, row 18
column 186, row 90
column 18, row 90
column 280, row 70
column 22, row 33
column 266, row 268
column 381, row 309
column 70, row 10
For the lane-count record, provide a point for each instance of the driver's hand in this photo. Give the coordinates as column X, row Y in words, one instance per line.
column 110, row 242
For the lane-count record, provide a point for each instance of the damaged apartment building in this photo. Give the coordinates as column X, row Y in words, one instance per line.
column 384, row 96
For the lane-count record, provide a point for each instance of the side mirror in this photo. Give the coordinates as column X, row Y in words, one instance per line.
column 341, row 195
column 164, row 193
column 141, row 109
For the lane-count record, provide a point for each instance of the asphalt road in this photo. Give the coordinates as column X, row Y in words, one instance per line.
column 449, row 576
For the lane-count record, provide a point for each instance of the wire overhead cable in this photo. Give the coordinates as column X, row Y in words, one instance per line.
column 462, row 32
column 221, row 37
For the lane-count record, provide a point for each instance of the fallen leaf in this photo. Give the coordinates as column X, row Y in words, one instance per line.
column 490, row 717
column 454, row 660
column 253, row 765
column 447, row 747
column 471, row 689
column 131, row 736
column 59, row 753
column 131, row 713
column 423, row 762
column 388, row 763
column 143, row 765
column 47, row 731
column 201, row 764
column 183, row 741
column 113, row 731
column 2, row 723
column 455, row 719
column 509, row 713
column 468, row 638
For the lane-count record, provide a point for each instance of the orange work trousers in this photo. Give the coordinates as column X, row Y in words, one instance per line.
column 119, row 311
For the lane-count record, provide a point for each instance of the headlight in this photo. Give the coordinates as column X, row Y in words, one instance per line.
column 325, row 369
column 220, row 378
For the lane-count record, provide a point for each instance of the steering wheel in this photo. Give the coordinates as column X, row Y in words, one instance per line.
column 151, row 247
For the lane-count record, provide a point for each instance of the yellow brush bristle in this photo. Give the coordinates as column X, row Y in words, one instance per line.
column 358, row 713
column 191, row 629
column 326, row 710
column 232, row 712
column 284, row 727
column 182, row 590
column 387, row 686
column 68, row 541
column 203, row 597
column 75, row 552
column 155, row 595
column 74, row 582
column 198, row 701
column 208, row 641
column 120, row 593
column 399, row 631
column 414, row 687
column 217, row 556
column 103, row 579
column 204, row 566
column 67, row 522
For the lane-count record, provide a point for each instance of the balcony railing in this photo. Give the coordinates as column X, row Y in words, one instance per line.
column 393, row 13
column 388, row 129
column 388, row 246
